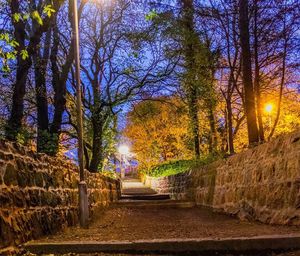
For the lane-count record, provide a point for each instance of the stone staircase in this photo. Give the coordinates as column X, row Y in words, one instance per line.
column 146, row 213
column 136, row 194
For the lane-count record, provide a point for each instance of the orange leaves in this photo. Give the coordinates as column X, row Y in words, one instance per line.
column 158, row 129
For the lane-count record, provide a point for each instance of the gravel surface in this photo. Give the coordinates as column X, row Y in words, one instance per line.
column 162, row 223
column 104, row 254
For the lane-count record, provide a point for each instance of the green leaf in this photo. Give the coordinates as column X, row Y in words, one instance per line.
column 5, row 68
column 151, row 15
column 10, row 55
column 13, row 43
column 24, row 54
column 135, row 55
column 128, row 71
column 16, row 17
column 26, row 16
column 48, row 10
column 37, row 17
column 4, row 37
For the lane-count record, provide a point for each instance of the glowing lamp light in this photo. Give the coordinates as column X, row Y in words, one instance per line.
column 269, row 108
column 123, row 150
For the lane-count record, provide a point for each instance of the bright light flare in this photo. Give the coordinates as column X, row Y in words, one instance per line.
column 269, row 108
column 123, row 150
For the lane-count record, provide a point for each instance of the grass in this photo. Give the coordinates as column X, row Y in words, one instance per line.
column 178, row 166
column 110, row 174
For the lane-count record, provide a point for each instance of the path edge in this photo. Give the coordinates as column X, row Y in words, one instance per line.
column 236, row 245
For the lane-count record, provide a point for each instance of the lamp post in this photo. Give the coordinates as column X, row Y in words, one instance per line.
column 123, row 150
column 83, row 197
column 268, row 110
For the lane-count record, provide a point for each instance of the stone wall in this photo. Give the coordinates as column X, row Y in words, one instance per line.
column 262, row 183
column 39, row 194
column 174, row 185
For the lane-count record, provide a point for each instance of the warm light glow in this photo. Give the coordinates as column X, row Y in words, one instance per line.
column 123, row 150
column 269, row 108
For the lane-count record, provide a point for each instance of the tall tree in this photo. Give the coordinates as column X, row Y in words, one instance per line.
column 40, row 60
column 115, row 70
column 257, row 77
column 24, row 59
column 249, row 95
column 49, row 130
column 190, row 41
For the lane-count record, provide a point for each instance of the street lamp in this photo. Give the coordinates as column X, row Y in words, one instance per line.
column 269, row 109
column 83, row 196
column 123, row 151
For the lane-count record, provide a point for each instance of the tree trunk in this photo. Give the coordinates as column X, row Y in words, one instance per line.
column 189, row 40
column 86, row 156
column 193, row 112
column 97, row 144
column 259, row 106
column 40, row 69
column 14, row 123
column 213, row 131
column 282, row 82
column 257, row 77
column 229, row 127
column 249, row 96
column 59, row 96
column 59, row 82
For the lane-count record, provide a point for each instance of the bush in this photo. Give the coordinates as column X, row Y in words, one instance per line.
column 178, row 166
column 110, row 174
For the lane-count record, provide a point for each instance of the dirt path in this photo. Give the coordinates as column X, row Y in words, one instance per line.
column 136, row 223
column 119, row 223
column 159, row 223
column 104, row 254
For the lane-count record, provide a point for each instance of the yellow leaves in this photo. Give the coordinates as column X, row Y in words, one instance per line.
column 37, row 17
column 151, row 15
column 26, row 16
column 48, row 10
column 24, row 54
column 7, row 50
column 157, row 130
column 8, row 40
column 4, row 37
column 16, row 17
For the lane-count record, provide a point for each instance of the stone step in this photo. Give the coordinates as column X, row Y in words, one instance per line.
column 143, row 196
column 154, row 203
column 207, row 246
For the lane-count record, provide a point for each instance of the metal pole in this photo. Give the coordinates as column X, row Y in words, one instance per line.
column 122, row 167
column 83, row 197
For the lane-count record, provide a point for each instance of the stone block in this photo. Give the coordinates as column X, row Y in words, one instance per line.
column 7, row 156
column 49, row 181
column 23, row 179
column 11, row 176
column 6, row 233
column 6, row 198
column 34, row 198
column 19, row 199
column 297, row 202
column 39, row 179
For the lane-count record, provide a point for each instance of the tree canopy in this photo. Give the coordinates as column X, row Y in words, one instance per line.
column 176, row 80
